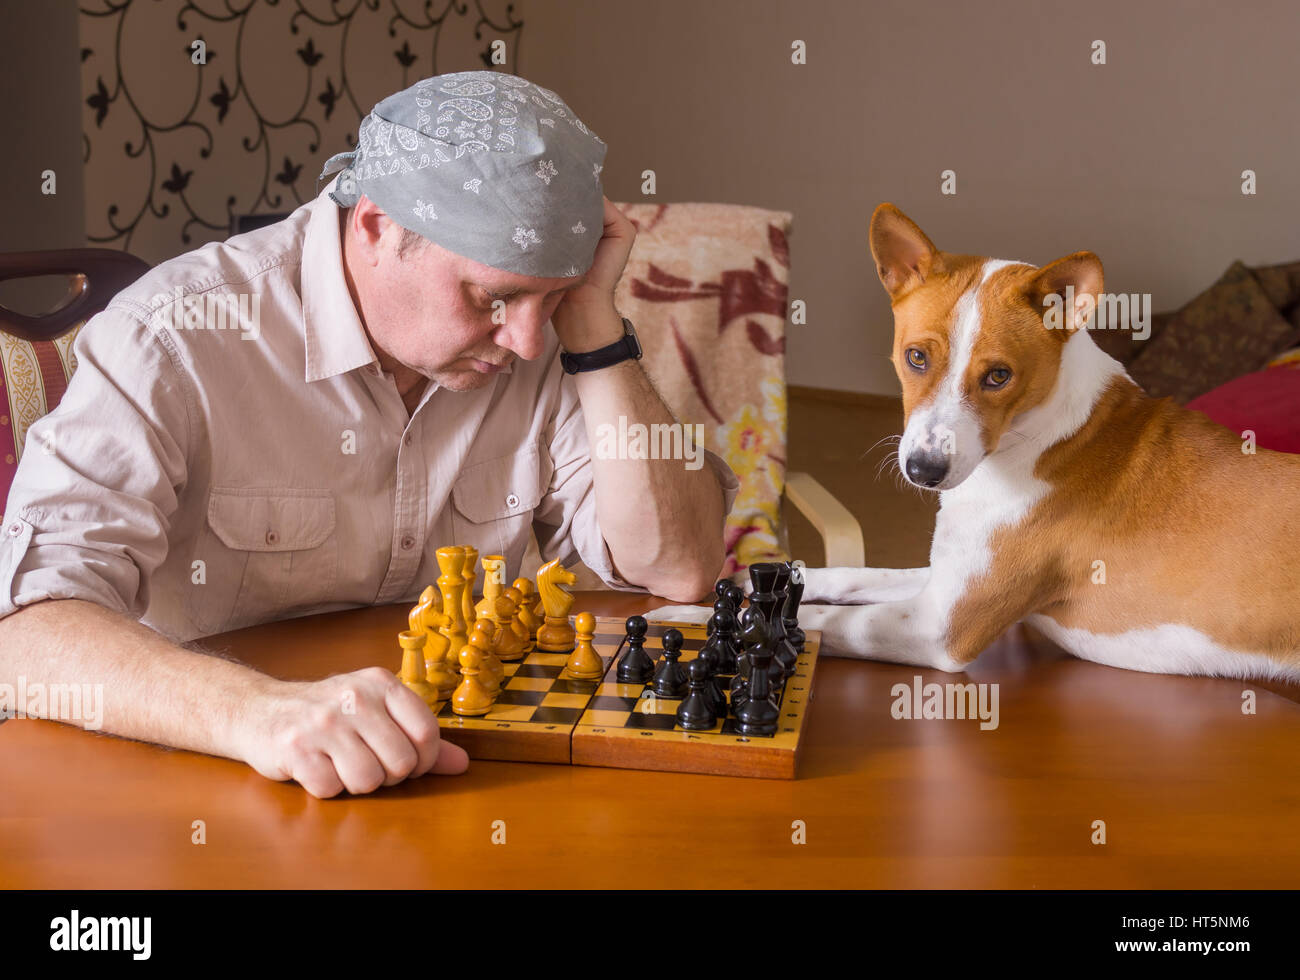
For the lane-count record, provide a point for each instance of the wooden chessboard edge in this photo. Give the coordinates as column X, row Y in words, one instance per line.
column 513, row 746
column 748, row 759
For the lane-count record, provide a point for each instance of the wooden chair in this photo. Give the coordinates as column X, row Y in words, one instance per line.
column 36, row 359
column 95, row 276
column 707, row 285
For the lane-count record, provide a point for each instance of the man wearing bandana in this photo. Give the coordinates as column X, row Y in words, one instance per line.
column 294, row 420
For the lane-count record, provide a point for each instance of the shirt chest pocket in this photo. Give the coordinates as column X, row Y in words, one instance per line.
column 493, row 502
column 274, row 554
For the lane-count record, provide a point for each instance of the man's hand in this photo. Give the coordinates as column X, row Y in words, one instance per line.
column 356, row 731
column 585, row 319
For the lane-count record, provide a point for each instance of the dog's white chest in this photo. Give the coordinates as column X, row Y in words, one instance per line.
column 992, row 498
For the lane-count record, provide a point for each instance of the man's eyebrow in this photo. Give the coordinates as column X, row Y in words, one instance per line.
column 514, row 290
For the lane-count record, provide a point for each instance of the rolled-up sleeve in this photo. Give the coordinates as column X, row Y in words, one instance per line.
column 566, row 523
column 87, row 515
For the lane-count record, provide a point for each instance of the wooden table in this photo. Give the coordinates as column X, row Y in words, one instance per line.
column 1193, row 792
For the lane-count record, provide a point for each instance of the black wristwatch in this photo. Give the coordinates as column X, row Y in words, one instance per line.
column 626, row 348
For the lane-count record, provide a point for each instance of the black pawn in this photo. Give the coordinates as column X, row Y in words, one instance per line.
column 719, row 606
column 724, row 642
column 696, row 713
column 635, row 666
column 720, row 588
column 670, row 676
column 735, row 596
column 717, row 699
column 758, row 715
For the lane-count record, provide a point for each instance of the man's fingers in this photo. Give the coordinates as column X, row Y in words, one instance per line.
column 356, row 765
column 452, row 760
column 317, row 775
column 437, row 755
column 412, row 722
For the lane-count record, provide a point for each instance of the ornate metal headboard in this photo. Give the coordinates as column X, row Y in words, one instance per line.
column 95, row 276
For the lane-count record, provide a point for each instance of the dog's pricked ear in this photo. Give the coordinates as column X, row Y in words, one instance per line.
column 904, row 256
column 1066, row 292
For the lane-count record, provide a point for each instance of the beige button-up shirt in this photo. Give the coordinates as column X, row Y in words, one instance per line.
column 205, row 477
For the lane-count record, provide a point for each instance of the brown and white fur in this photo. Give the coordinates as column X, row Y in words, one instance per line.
column 1065, row 464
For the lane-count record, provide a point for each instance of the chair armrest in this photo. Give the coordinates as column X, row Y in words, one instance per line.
column 840, row 531
column 95, row 276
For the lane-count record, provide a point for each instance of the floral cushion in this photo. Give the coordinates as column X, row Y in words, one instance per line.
column 1232, row 328
column 706, row 286
column 33, row 377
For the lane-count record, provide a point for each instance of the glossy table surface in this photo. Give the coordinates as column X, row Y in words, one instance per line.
column 1193, row 793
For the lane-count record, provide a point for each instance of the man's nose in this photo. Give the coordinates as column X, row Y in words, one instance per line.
column 523, row 332
column 927, row 468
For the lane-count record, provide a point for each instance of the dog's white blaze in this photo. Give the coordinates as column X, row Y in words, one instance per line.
column 949, row 419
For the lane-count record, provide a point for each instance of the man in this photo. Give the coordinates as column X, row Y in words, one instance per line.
column 393, row 386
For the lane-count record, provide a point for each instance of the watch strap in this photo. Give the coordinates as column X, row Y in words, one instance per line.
column 626, row 348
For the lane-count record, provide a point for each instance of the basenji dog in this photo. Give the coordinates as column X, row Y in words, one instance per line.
column 1130, row 531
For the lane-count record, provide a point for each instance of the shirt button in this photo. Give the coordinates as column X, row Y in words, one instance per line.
column 408, row 543
column 512, row 501
column 407, row 440
column 15, row 529
column 272, row 537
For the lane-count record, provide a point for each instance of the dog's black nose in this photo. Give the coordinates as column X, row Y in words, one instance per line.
column 926, row 470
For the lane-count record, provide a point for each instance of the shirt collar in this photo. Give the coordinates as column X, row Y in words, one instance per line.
column 335, row 339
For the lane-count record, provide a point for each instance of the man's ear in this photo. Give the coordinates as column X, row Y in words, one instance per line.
column 904, row 256
column 1065, row 292
column 367, row 224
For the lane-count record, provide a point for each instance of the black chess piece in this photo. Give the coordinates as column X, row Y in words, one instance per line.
column 635, row 666
column 720, row 588
column 739, row 692
column 759, row 714
column 751, row 620
column 717, row 700
column 696, row 713
column 762, row 575
column 670, row 677
column 753, row 633
column 719, row 606
column 724, row 642
column 782, row 583
column 790, row 613
column 771, row 585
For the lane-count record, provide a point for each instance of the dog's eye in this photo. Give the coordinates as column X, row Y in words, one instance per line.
column 997, row 378
column 916, row 358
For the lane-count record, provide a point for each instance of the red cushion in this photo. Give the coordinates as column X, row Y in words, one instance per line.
column 1266, row 402
column 33, row 378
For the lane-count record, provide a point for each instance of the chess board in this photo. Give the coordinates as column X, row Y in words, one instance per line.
column 542, row 715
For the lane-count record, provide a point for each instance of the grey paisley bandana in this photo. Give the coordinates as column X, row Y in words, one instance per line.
column 487, row 165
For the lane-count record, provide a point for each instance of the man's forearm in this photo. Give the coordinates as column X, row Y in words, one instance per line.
column 662, row 520
column 152, row 689
column 156, row 691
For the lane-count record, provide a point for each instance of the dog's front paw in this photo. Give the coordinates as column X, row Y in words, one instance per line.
column 698, row 615
column 826, row 584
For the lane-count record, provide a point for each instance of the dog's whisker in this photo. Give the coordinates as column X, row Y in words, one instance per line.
column 878, row 442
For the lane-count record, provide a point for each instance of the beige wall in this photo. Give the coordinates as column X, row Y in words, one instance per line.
column 41, row 117
column 1139, row 159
